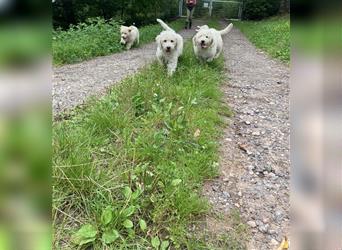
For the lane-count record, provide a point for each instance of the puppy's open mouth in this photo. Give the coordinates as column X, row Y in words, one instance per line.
column 203, row 46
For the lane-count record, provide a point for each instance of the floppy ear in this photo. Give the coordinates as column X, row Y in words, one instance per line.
column 194, row 39
column 158, row 40
column 179, row 43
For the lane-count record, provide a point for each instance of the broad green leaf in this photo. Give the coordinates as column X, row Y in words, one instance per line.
column 86, row 241
column 128, row 211
column 84, row 235
column 131, row 233
column 127, row 192
column 155, row 242
column 164, row 244
column 127, row 224
column 107, row 216
column 110, row 236
column 176, row 182
column 136, row 193
column 142, row 225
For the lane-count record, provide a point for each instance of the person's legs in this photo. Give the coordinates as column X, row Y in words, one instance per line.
column 190, row 17
column 188, row 14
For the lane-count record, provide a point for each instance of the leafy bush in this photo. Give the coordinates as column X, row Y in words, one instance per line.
column 259, row 9
column 142, row 12
column 96, row 37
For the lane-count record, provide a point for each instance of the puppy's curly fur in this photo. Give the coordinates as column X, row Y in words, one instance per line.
column 169, row 47
column 129, row 36
column 208, row 43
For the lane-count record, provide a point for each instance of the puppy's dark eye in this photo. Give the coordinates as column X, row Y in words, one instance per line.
column 165, row 41
column 206, row 37
column 172, row 41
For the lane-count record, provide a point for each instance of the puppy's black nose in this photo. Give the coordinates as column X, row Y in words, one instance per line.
column 202, row 42
column 168, row 48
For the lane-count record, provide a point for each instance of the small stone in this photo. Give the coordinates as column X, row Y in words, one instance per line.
column 226, row 194
column 251, row 223
column 237, row 204
column 274, row 242
column 239, row 193
column 248, row 122
column 264, row 228
column 272, row 231
column 250, row 167
column 256, row 133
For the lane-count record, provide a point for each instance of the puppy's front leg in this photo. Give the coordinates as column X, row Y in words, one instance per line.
column 171, row 67
column 129, row 46
column 160, row 60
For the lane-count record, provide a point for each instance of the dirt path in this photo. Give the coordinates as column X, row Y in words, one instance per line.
column 73, row 84
column 254, row 162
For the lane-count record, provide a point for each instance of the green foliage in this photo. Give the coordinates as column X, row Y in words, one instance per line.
column 96, row 37
column 107, row 216
column 259, row 9
column 134, row 150
column 155, row 242
column 85, row 235
column 271, row 35
column 110, row 236
column 140, row 12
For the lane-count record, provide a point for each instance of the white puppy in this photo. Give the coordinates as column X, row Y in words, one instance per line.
column 129, row 35
column 169, row 47
column 208, row 43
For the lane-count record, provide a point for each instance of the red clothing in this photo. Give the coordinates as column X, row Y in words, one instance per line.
column 191, row 2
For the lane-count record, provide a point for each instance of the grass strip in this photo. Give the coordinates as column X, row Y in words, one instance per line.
column 271, row 35
column 129, row 167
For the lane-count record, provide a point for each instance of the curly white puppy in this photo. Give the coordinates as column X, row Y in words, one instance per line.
column 169, row 47
column 129, row 36
column 208, row 43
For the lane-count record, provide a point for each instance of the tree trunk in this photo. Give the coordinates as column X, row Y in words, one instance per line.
column 284, row 6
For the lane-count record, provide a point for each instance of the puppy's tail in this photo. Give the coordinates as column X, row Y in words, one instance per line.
column 164, row 25
column 227, row 29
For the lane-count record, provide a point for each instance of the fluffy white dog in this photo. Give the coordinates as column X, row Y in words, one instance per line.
column 129, row 36
column 169, row 47
column 208, row 43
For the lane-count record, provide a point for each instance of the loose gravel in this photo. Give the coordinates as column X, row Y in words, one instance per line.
column 254, row 151
column 74, row 83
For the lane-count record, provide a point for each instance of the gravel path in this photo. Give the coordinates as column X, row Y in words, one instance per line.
column 254, row 162
column 73, row 84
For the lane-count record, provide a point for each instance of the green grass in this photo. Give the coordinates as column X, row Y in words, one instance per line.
column 141, row 154
column 97, row 38
column 271, row 35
